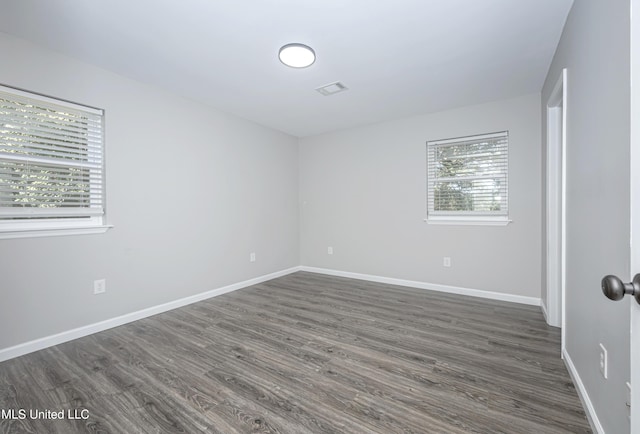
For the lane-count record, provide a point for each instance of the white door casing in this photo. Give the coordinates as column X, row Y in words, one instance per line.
column 635, row 215
column 556, row 187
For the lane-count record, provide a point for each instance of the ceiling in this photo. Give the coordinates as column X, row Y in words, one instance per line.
column 398, row 58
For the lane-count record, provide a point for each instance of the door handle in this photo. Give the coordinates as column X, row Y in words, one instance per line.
column 616, row 289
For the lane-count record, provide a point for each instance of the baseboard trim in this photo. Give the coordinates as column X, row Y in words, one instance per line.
column 592, row 417
column 48, row 341
column 532, row 301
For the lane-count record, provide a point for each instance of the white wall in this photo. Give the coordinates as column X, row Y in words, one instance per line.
column 595, row 49
column 191, row 191
column 363, row 192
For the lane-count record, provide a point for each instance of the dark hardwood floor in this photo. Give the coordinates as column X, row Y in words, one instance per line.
column 306, row 353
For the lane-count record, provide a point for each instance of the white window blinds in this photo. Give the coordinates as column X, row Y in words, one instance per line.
column 468, row 176
column 51, row 158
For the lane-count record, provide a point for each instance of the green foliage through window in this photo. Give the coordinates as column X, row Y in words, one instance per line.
column 468, row 176
column 51, row 161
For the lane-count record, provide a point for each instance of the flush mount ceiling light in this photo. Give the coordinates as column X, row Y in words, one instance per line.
column 297, row 55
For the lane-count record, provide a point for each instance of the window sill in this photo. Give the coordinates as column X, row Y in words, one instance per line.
column 468, row 221
column 53, row 232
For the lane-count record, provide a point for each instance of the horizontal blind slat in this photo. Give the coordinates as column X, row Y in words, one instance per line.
column 49, row 153
column 18, row 118
column 11, row 146
column 39, row 129
column 51, row 161
column 50, row 212
column 45, row 115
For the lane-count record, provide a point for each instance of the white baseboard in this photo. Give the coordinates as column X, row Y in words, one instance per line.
column 533, row 301
column 592, row 417
column 48, row 341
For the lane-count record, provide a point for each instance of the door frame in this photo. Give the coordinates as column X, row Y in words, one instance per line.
column 634, row 201
column 556, row 110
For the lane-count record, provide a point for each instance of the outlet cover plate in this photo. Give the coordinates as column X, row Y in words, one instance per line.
column 99, row 286
column 604, row 362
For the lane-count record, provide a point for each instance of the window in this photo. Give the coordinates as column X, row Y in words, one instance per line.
column 51, row 165
column 467, row 179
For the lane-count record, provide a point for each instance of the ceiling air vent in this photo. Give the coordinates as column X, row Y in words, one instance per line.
column 332, row 88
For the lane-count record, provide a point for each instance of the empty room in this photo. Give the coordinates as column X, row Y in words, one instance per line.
column 329, row 216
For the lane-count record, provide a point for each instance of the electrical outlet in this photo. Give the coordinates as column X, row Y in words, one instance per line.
column 329, row 250
column 628, row 399
column 252, row 257
column 99, row 286
column 604, row 362
column 446, row 261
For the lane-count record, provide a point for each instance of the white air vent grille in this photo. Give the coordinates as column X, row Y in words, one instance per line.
column 332, row 88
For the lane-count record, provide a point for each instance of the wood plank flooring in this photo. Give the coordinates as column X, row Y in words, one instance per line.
column 306, row 353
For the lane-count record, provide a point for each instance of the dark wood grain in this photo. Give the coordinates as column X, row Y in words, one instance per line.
column 307, row 353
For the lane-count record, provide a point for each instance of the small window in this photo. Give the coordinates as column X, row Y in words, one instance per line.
column 467, row 179
column 51, row 163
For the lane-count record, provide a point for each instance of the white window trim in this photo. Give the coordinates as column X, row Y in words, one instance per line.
column 459, row 218
column 56, row 227
column 52, row 227
column 469, row 220
column 44, row 232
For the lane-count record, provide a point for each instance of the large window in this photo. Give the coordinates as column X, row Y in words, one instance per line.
column 467, row 178
column 51, row 164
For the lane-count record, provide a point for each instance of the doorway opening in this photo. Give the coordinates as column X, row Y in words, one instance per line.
column 556, row 203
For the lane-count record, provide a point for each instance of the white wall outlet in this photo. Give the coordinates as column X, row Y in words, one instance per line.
column 629, row 399
column 604, row 362
column 252, row 257
column 99, row 286
column 446, row 261
column 329, row 250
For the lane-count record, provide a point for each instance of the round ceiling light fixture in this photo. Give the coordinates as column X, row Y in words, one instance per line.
column 297, row 55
